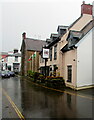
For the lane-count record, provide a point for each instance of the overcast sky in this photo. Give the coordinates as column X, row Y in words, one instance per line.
column 38, row 18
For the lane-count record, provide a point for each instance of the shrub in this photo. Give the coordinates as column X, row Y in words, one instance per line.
column 41, row 77
column 29, row 73
column 55, row 82
column 35, row 76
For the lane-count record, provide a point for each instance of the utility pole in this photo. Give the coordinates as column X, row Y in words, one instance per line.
column 45, row 66
column 2, row 66
column 45, row 56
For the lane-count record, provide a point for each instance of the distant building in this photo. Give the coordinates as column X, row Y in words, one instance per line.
column 30, row 49
column 11, row 61
column 3, row 59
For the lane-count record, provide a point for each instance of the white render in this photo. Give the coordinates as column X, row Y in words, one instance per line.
column 11, row 60
column 84, row 60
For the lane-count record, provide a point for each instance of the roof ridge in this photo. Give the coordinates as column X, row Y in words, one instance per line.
column 35, row 39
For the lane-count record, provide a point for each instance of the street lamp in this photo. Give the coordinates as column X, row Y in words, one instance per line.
column 45, row 56
column 2, row 66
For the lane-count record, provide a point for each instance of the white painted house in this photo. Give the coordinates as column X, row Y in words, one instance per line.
column 84, row 60
column 11, row 61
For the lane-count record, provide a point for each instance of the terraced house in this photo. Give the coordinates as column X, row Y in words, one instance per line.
column 71, row 51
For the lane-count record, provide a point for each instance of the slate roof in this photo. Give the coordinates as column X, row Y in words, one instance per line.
column 78, row 35
column 5, row 54
column 15, row 54
column 54, row 35
column 62, row 27
column 34, row 44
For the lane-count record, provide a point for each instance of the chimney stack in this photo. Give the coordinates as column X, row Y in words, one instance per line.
column 83, row 2
column 15, row 50
column 24, row 35
column 93, row 9
column 86, row 8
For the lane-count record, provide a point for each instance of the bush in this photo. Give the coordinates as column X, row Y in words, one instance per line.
column 41, row 77
column 29, row 73
column 35, row 76
column 55, row 82
column 50, row 81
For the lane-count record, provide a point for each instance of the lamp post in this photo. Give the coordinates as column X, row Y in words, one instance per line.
column 45, row 56
column 45, row 66
column 2, row 66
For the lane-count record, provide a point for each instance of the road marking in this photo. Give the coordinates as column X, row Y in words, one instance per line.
column 91, row 98
column 13, row 105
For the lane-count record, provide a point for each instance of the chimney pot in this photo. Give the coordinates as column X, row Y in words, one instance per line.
column 24, row 35
column 83, row 2
column 15, row 50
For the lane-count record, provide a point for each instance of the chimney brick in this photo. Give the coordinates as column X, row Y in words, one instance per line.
column 86, row 8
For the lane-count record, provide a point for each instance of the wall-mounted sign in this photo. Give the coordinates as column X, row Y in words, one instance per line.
column 45, row 53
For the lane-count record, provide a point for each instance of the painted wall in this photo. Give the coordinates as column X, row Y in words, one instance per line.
column 69, row 58
column 11, row 60
column 84, row 60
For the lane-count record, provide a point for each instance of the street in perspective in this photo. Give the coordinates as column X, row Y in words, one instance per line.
column 46, row 76
column 34, row 101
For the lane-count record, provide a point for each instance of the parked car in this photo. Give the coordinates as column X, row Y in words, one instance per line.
column 12, row 74
column 5, row 74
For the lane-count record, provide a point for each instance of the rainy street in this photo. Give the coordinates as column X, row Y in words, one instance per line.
column 23, row 99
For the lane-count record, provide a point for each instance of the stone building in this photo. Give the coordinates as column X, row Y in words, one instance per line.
column 30, row 49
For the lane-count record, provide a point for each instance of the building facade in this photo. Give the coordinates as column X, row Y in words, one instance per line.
column 30, row 49
column 66, row 51
column 77, row 31
column 11, row 61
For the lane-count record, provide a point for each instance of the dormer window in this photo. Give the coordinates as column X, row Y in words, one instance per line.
column 16, row 58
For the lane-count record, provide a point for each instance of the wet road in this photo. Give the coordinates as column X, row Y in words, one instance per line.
column 22, row 99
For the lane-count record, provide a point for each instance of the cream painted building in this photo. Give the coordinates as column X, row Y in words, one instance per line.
column 75, row 72
column 68, row 49
column 77, row 58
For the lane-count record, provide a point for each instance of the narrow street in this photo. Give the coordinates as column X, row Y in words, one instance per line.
column 22, row 99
